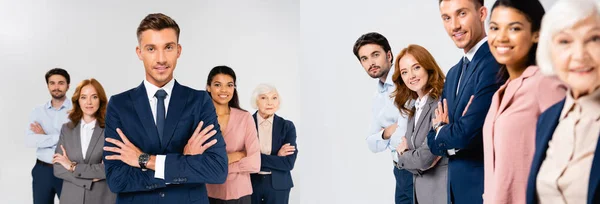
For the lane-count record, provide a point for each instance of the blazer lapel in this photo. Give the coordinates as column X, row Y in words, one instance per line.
column 594, row 176
column 509, row 91
column 425, row 112
column 177, row 104
column 93, row 142
column 255, row 122
column 471, row 68
column 277, row 134
column 76, row 153
column 410, row 131
column 142, row 108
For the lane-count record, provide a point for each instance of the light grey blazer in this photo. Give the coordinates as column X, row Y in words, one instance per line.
column 78, row 187
column 430, row 185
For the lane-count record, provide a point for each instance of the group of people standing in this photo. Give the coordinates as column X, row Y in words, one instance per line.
column 516, row 120
column 161, row 142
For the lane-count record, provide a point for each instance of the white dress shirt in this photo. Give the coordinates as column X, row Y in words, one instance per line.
column 159, row 164
column 385, row 113
column 419, row 104
column 86, row 131
column 469, row 55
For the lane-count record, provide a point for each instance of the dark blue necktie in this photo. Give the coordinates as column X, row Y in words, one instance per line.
column 465, row 64
column 160, row 112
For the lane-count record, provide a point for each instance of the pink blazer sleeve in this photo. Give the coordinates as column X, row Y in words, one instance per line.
column 250, row 163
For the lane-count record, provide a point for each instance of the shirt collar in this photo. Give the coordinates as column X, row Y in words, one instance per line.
column 588, row 104
column 419, row 103
column 89, row 125
column 151, row 88
column 389, row 82
column 471, row 53
column 66, row 104
column 261, row 119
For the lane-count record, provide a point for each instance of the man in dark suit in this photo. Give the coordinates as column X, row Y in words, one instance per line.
column 466, row 98
column 154, row 153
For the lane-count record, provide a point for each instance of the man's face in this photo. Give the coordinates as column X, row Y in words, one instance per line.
column 375, row 60
column 463, row 22
column 57, row 86
column 159, row 51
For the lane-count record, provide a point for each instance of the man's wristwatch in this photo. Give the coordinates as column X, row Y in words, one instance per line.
column 437, row 125
column 143, row 160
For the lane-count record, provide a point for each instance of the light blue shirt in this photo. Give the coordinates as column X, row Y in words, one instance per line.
column 385, row 113
column 51, row 120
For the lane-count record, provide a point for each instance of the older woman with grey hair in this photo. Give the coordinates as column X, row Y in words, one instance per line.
column 566, row 165
column 277, row 138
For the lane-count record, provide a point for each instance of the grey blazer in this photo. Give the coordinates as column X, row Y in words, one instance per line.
column 78, row 187
column 430, row 184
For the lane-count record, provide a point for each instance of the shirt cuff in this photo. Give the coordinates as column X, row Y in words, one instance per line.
column 438, row 132
column 159, row 165
column 380, row 133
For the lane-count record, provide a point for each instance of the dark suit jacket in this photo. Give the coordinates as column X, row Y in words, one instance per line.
column 546, row 125
column 130, row 111
column 78, row 186
column 284, row 132
column 465, row 169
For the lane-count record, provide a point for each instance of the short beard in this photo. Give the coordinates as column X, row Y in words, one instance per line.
column 380, row 74
column 58, row 97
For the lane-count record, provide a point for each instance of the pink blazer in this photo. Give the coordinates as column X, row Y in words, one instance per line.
column 240, row 135
column 509, row 133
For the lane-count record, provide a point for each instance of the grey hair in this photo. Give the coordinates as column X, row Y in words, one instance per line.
column 262, row 89
column 564, row 14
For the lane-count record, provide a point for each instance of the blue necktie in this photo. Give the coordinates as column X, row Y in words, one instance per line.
column 465, row 64
column 160, row 112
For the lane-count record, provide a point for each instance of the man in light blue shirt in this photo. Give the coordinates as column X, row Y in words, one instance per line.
column 388, row 126
column 43, row 132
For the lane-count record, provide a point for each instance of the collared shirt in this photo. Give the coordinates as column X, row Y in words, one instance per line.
column 265, row 135
column 151, row 89
column 86, row 131
column 385, row 113
column 565, row 173
column 51, row 120
column 469, row 55
column 419, row 104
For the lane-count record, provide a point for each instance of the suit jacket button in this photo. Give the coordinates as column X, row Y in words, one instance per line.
column 79, row 174
column 162, row 194
column 84, row 185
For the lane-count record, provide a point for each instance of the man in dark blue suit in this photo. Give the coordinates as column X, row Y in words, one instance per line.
column 154, row 152
column 466, row 98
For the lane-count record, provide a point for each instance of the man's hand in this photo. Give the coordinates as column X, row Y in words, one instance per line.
column 195, row 143
column 286, row 150
column 389, row 131
column 441, row 113
column 37, row 128
column 128, row 153
column 62, row 159
column 235, row 156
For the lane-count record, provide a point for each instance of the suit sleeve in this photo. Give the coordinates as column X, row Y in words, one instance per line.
column 464, row 131
column 120, row 176
column 283, row 163
column 250, row 163
column 64, row 174
column 434, row 148
column 208, row 167
column 417, row 159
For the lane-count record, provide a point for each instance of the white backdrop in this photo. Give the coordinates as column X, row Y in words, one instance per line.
column 304, row 48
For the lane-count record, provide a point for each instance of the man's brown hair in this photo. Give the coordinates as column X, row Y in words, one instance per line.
column 157, row 21
column 478, row 3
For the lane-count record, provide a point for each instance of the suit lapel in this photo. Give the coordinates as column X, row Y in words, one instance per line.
column 142, row 108
column 471, row 68
column 277, row 134
column 77, row 143
column 425, row 112
column 93, row 141
column 594, row 176
column 177, row 104
column 255, row 122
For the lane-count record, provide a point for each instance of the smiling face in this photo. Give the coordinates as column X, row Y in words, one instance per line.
column 576, row 56
column 159, row 51
column 463, row 22
column 221, row 89
column 510, row 37
column 413, row 75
